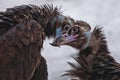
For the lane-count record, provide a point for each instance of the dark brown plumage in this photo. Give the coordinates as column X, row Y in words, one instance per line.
column 94, row 61
column 22, row 31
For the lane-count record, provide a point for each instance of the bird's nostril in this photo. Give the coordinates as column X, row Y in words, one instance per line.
column 65, row 35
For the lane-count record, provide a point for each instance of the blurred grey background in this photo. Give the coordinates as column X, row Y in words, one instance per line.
column 96, row 12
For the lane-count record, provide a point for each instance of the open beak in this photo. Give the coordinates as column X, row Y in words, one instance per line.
column 63, row 40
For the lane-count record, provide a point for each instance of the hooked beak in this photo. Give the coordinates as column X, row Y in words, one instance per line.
column 63, row 40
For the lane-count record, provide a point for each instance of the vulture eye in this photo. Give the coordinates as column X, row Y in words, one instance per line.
column 66, row 27
column 75, row 30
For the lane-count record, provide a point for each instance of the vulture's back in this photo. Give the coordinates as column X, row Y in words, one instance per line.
column 21, row 40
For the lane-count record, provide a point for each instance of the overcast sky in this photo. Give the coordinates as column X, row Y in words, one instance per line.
column 96, row 12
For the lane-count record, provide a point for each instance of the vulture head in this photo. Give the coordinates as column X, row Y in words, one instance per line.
column 76, row 35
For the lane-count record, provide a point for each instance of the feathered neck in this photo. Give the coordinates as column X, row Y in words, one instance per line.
column 85, row 58
column 97, row 42
column 43, row 15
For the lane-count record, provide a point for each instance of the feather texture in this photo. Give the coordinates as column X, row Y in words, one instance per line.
column 22, row 32
column 95, row 62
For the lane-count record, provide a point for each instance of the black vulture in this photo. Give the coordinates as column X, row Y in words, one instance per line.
column 94, row 61
column 22, row 32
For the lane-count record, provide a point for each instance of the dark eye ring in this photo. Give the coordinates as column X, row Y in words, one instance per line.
column 75, row 29
column 66, row 27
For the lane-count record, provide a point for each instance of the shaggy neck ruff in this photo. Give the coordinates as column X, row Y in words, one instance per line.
column 94, row 62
